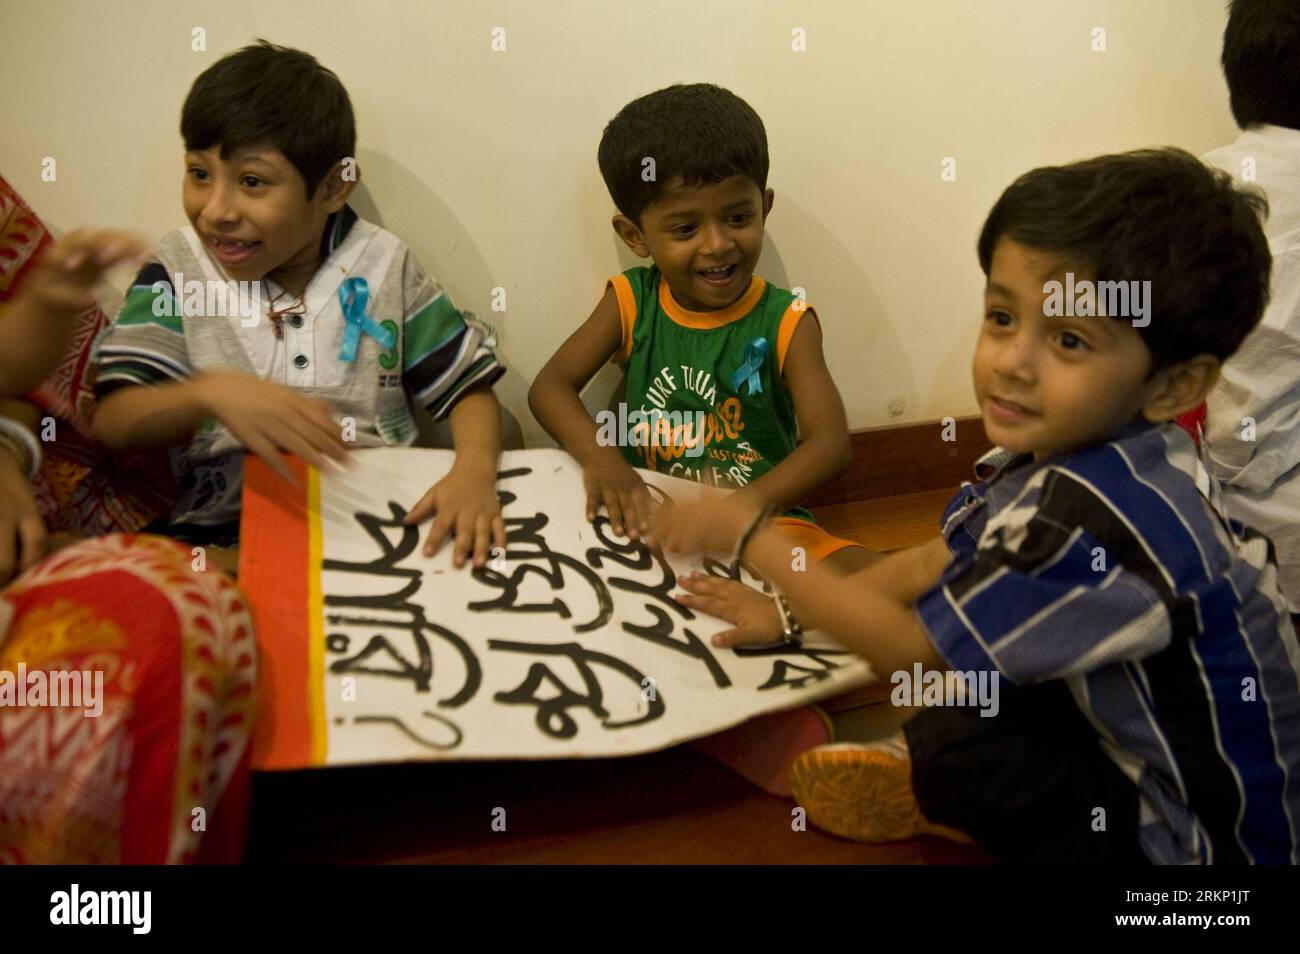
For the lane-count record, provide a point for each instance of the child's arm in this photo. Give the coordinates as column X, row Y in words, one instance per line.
column 881, row 626
column 824, row 450
column 266, row 418
column 554, row 400
column 35, row 329
column 149, row 416
column 905, row 576
column 871, row 613
column 465, row 501
column 23, row 537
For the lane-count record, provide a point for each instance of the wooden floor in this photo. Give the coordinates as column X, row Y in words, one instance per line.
column 676, row 806
column 890, row 523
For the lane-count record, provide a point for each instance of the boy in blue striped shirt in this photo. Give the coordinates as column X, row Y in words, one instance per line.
column 280, row 321
column 1146, row 670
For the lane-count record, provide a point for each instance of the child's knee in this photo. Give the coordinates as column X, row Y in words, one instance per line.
column 848, row 560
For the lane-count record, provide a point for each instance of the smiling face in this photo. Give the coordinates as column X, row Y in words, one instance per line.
column 705, row 239
column 1054, row 384
column 252, row 211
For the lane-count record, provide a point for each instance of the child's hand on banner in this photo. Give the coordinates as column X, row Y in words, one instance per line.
column 612, row 481
column 464, row 505
column 712, row 525
column 753, row 615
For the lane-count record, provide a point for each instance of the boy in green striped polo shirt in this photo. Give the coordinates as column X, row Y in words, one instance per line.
column 726, row 383
column 279, row 321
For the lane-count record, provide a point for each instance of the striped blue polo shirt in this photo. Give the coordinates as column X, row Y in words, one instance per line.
column 1112, row 569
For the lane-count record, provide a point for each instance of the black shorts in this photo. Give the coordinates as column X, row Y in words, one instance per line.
column 1026, row 783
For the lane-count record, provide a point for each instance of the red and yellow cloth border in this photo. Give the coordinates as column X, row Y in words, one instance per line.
column 279, row 572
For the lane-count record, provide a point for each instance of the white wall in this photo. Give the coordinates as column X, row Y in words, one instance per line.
column 485, row 163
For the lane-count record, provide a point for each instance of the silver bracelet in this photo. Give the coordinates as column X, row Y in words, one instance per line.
column 21, row 435
column 754, row 524
column 791, row 631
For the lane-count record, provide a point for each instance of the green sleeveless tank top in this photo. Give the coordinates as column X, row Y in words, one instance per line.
column 707, row 385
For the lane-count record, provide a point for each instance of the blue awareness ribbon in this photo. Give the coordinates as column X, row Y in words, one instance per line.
column 354, row 293
column 755, row 356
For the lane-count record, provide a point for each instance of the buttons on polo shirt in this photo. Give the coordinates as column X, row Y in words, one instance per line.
column 295, row 321
column 300, row 361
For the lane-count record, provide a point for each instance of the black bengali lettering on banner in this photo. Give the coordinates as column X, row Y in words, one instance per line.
column 401, row 643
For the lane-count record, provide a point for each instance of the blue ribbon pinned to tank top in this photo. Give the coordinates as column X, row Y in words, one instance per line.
column 755, row 356
column 354, row 294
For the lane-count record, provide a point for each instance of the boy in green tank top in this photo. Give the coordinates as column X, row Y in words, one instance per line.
column 726, row 383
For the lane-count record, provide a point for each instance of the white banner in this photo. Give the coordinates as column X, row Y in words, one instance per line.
column 567, row 645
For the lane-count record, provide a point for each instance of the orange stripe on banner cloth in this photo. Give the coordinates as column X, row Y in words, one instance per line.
column 816, row 542
column 279, row 572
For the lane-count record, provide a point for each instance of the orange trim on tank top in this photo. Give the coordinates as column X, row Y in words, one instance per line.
column 707, row 320
column 626, row 316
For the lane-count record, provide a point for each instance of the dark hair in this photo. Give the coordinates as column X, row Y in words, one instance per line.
column 699, row 133
column 1155, row 215
column 272, row 94
column 1261, row 62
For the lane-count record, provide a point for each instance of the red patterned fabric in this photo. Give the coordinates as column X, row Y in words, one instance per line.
column 22, row 237
column 161, row 774
column 81, row 489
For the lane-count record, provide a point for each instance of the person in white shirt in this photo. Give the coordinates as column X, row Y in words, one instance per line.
column 1252, row 430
